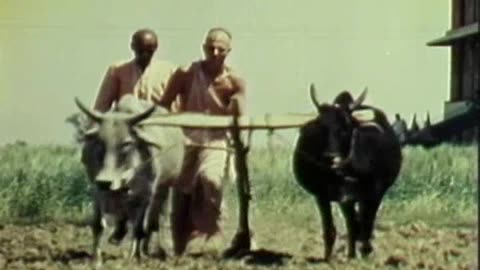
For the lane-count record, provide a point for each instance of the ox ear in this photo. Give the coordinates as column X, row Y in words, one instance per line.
column 146, row 137
column 90, row 130
column 93, row 115
column 313, row 97
column 360, row 99
column 137, row 118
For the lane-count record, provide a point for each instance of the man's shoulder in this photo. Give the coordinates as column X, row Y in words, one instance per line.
column 185, row 70
column 191, row 67
column 236, row 78
column 233, row 73
column 120, row 65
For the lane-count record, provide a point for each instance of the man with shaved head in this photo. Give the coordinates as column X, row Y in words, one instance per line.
column 142, row 76
column 206, row 86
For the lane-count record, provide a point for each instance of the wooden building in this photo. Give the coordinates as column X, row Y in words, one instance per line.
column 463, row 39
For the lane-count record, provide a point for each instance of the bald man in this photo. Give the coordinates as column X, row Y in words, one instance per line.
column 206, row 86
column 142, row 76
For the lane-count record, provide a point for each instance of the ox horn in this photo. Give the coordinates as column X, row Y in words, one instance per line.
column 313, row 96
column 141, row 116
column 95, row 116
column 360, row 99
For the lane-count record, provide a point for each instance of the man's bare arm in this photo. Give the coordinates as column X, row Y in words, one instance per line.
column 108, row 91
column 157, row 93
column 239, row 96
column 175, row 86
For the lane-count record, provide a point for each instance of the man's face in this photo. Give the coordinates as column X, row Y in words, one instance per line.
column 216, row 47
column 144, row 47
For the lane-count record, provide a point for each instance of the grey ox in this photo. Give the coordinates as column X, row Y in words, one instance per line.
column 130, row 167
column 342, row 158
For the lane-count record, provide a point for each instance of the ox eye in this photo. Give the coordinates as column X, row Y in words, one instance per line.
column 124, row 151
column 126, row 146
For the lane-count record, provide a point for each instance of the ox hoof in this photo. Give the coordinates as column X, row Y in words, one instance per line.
column 365, row 250
column 240, row 246
column 135, row 258
column 351, row 256
column 160, row 254
column 97, row 262
column 98, row 265
column 114, row 241
column 117, row 235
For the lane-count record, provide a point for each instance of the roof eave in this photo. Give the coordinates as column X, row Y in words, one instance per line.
column 455, row 35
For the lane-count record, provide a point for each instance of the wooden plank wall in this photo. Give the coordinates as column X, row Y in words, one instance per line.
column 469, row 54
column 465, row 58
column 476, row 68
column 456, row 53
column 470, row 11
column 464, row 54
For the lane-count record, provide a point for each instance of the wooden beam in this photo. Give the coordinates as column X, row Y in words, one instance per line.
column 198, row 120
column 457, row 34
column 241, row 242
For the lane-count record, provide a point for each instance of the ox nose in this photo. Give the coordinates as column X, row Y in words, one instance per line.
column 104, row 185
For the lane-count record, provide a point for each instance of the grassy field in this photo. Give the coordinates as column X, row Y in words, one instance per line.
column 427, row 221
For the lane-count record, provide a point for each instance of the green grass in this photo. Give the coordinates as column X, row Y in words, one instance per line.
column 41, row 182
column 436, row 186
column 427, row 220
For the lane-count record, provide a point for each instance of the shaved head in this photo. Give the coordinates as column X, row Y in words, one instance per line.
column 216, row 47
column 144, row 44
column 143, row 34
column 218, row 31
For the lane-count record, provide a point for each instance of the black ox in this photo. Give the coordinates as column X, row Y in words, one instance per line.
column 342, row 158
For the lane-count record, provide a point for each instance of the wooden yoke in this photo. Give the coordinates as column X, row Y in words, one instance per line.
column 242, row 240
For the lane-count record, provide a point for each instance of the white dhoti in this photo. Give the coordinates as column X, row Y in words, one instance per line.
column 197, row 193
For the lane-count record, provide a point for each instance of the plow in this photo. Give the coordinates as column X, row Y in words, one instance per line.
column 241, row 242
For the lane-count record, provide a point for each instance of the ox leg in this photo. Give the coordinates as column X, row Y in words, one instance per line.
column 119, row 232
column 329, row 231
column 181, row 223
column 138, row 234
column 145, row 243
column 156, row 211
column 348, row 211
column 97, row 230
column 367, row 214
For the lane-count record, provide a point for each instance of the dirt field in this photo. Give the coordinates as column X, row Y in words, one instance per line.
column 428, row 221
column 416, row 246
